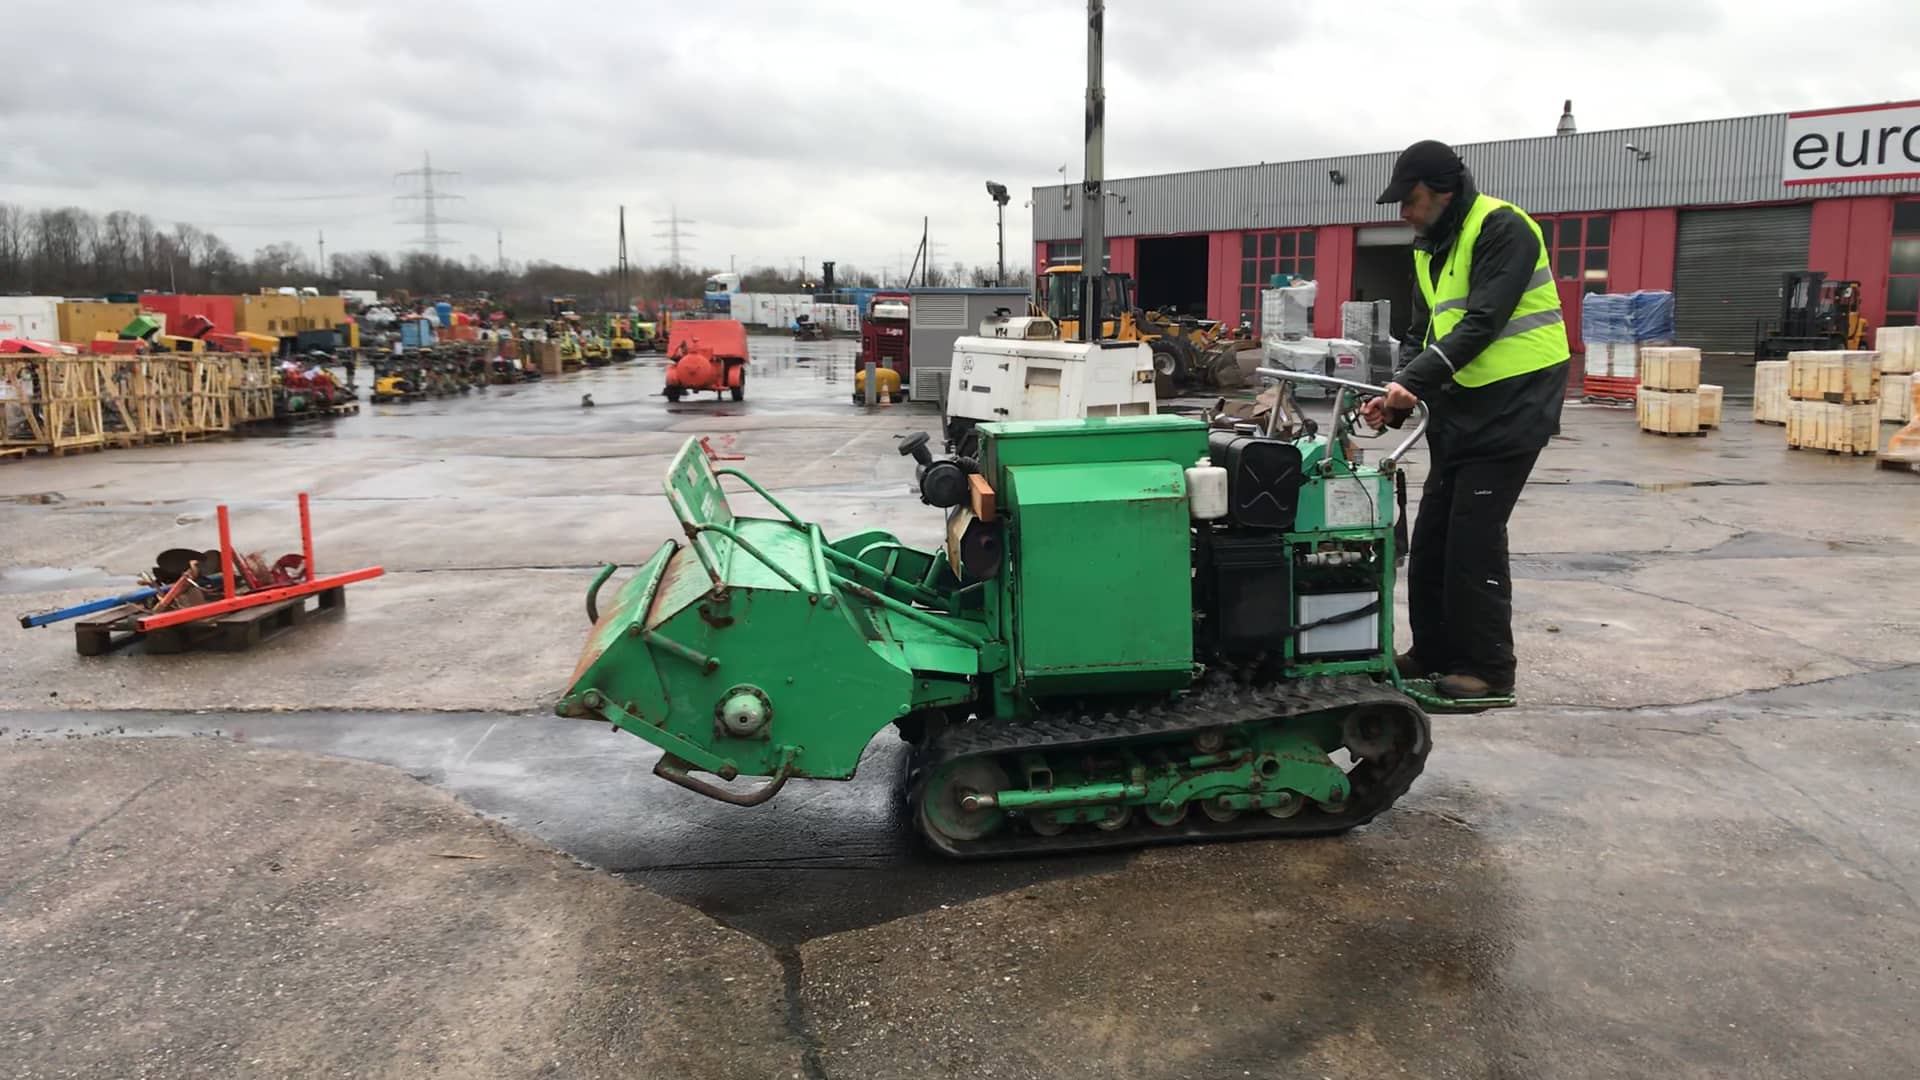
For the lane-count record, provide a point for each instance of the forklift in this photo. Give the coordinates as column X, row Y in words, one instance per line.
column 1815, row 314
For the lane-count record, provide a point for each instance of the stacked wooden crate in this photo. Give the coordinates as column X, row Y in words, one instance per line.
column 119, row 378
column 1896, row 398
column 1771, row 403
column 65, row 403
column 1711, row 399
column 1836, row 401
column 50, row 403
column 1668, row 401
column 251, row 384
column 210, row 396
column 1899, row 348
column 163, row 401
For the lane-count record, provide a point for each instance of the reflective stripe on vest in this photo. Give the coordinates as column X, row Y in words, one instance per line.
column 1535, row 336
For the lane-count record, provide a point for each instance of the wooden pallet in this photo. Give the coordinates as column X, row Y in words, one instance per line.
column 1770, row 423
column 1696, row 434
column 327, row 412
column 1901, row 464
column 236, row 631
column 21, row 453
column 1833, row 453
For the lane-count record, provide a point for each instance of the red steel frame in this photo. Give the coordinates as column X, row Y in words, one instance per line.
column 229, row 602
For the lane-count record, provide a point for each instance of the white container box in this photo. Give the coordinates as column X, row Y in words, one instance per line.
column 1288, row 312
column 33, row 318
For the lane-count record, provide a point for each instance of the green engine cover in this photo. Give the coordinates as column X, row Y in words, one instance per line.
column 1096, row 582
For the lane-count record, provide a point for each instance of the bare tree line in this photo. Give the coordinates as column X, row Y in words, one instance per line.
column 73, row 252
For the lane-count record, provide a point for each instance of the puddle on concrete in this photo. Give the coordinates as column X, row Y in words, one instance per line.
column 37, row 579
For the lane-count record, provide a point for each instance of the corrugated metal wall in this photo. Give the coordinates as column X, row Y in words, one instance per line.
column 1716, row 162
column 1727, row 272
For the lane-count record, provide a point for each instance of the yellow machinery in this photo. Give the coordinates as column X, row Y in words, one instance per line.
column 1186, row 350
column 593, row 352
column 886, row 386
column 394, row 385
column 265, row 343
column 176, row 344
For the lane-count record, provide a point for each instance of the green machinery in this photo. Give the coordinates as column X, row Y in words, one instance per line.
column 1140, row 629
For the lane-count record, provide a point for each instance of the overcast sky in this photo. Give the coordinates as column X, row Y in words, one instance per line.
column 827, row 129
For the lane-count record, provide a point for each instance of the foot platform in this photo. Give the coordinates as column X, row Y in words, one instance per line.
column 1432, row 700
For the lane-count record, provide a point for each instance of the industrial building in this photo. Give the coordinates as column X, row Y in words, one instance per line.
column 1715, row 211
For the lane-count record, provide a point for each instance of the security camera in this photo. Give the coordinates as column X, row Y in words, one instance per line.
column 1643, row 155
column 1336, row 176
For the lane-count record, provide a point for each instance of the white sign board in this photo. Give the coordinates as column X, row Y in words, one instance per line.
column 1868, row 142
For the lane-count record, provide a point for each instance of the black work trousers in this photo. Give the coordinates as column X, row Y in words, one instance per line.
column 1459, row 592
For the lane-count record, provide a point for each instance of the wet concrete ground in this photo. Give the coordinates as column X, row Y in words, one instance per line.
column 1692, row 853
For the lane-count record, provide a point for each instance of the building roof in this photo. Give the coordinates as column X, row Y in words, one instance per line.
column 1704, row 163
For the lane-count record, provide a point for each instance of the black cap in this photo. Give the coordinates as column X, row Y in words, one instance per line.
column 1429, row 160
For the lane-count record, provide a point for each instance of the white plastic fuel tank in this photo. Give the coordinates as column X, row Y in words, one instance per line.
column 1207, row 491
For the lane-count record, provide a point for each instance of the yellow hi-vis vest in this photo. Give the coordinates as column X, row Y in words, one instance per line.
column 1534, row 338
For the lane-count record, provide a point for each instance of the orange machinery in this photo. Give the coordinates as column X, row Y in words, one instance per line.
column 707, row 354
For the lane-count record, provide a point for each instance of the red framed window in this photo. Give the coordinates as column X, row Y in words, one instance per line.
column 1264, row 254
column 1577, row 248
column 1903, row 278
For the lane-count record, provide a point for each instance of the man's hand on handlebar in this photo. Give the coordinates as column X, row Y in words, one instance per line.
column 1391, row 409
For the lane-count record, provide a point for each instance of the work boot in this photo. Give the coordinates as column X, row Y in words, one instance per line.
column 1471, row 686
column 1410, row 668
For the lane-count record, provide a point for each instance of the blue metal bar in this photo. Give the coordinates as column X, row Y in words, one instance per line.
column 88, row 608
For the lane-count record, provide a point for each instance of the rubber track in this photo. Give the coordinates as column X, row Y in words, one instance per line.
column 1220, row 704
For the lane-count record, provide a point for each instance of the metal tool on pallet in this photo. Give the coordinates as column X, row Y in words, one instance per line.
column 178, row 608
column 1140, row 630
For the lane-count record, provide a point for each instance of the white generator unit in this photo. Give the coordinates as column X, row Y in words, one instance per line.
column 1341, row 358
column 1018, row 369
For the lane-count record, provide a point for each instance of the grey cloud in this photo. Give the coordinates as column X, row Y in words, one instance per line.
column 830, row 129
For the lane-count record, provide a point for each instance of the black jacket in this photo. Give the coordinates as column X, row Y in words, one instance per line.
column 1504, row 418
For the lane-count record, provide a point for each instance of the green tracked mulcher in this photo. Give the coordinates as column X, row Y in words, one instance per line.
column 1139, row 630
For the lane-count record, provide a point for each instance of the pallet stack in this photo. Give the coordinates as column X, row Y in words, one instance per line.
column 1771, row 403
column 1836, row 401
column 1668, row 401
column 61, row 404
column 1616, row 330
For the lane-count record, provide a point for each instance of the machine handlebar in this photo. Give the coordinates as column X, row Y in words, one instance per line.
column 1368, row 389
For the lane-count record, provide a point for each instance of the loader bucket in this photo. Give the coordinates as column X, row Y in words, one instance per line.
column 750, row 648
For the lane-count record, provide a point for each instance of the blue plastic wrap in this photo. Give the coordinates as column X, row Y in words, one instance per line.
column 1603, row 319
column 1650, row 317
column 1638, row 318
